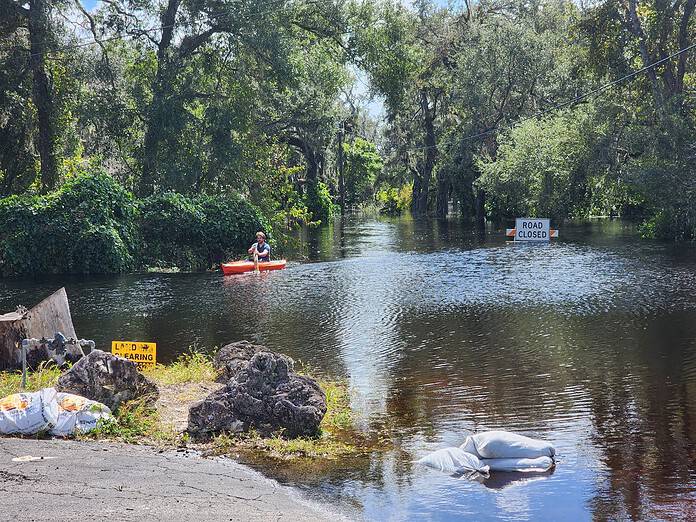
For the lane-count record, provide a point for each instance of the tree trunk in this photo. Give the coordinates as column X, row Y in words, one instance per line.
column 42, row 93
column 420, row 200
column 683, row 42
column 341, row 178
column 443, row 188
column 151, row 145
column 636, row 29
column 416, row 193
column 481, row 207
column 158, row 108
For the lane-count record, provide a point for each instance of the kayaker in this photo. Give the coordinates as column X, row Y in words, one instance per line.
column 261, row 248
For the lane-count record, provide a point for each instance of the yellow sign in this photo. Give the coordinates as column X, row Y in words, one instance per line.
column 142, row 354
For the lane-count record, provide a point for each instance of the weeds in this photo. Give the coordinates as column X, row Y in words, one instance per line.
column 193, row 366
column 45, row 376
column 324, row 447
column 135, row 422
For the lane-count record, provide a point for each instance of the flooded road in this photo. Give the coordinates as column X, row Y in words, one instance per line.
column 589, row 342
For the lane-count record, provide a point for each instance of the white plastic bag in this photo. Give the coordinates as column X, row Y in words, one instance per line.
column 28, row 413
column 77, row 414
column 453, row 460
column 537, row 464
column 506, row 445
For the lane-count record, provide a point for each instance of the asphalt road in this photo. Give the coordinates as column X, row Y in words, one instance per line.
column 62, row 480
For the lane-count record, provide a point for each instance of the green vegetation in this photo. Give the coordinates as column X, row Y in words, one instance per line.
column 87, row 225
column 45, row 376
column 191, row 378
column 136, row 422
column 234, row 116
column 195, row 233
column 193, row 366
column 481, row 113
column 93, row 225
column 395, row 201
column 363, row 165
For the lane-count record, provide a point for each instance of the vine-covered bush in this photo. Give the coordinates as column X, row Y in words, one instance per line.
column 194, row 233
column 172, row 229
column 87, row 226
column 230, row 225
column 93, row 225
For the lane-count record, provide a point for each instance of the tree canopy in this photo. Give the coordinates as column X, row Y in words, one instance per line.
column 490, row 109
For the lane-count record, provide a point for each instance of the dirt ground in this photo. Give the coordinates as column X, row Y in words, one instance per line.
column 176, row 399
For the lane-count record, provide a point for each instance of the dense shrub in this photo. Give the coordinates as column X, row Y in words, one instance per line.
column 172, row 229
column 87, row 226
column 230, row 225
column 320, row 203
column 362, row 166
column 194, row 233
column 393, row 201
column 93, row 225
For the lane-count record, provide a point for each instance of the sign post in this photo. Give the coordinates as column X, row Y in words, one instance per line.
column 142, row 354
column 532, row 229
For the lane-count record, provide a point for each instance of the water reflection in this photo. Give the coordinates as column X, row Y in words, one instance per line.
column 588, row 341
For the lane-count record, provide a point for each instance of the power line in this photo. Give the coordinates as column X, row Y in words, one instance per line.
column 561, row 105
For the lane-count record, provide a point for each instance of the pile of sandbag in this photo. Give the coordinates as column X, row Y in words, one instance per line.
column 49, row 411
column 493, row 451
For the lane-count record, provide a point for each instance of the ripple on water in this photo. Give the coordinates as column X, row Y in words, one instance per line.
column 589, row 345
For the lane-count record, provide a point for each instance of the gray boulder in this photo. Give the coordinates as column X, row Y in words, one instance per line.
column 214, row 414
column 264, row 394
column 111, row 380
column 234, row 356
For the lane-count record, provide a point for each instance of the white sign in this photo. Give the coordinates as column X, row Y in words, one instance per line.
column 530, row 229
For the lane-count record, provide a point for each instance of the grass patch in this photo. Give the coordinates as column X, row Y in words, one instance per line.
column 193, row 366
column 339, row 416
column 323, row 447
column 135, row 422
column 46, row 376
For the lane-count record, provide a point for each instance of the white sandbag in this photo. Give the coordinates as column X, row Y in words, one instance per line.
column 453, row 460
column 77, row 414
column 506, row 445
column 537, row 464
column 28, row 413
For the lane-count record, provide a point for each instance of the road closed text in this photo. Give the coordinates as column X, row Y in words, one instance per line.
column 532, row 229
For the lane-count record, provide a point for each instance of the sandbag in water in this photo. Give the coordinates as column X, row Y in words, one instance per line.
column 538, row 464
column 453, row 460
column 506, row 445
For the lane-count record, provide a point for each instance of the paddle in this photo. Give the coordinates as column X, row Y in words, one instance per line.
column 256, row 261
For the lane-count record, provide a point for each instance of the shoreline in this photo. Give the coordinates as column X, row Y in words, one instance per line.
column 133, row 482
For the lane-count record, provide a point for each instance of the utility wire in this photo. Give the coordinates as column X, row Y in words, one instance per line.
column 561, row 105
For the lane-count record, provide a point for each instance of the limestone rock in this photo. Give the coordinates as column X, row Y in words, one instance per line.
column 214, row 414
column 264, row 394
column 233, row 356
column 111, row 380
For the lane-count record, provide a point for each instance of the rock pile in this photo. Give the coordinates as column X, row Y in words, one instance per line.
column 261, row 392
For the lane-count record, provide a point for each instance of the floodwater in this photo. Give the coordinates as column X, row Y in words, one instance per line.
column 589, row 342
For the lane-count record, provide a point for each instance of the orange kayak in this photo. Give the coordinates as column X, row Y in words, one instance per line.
column 239, row 267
